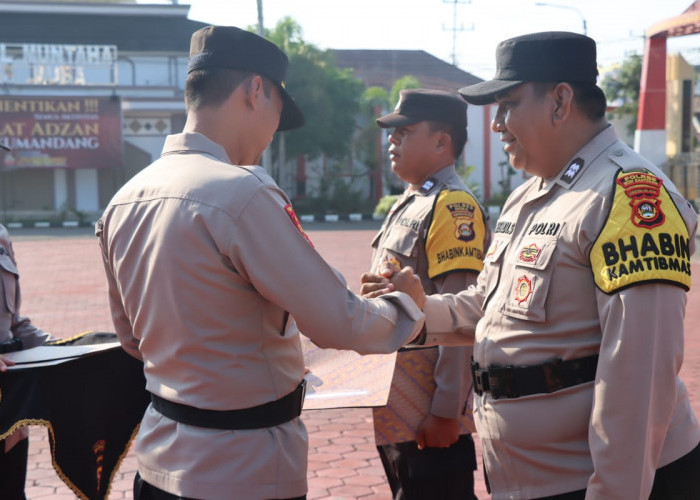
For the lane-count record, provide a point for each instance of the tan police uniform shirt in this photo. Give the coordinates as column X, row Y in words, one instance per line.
column 439, row 230
column 206, row 262
column 594, row 260
column 12, row 325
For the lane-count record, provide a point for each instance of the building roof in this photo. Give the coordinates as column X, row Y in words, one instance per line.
column 382, row 68
column 142, row 28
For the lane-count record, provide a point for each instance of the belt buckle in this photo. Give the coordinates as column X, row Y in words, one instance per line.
column 481, row 381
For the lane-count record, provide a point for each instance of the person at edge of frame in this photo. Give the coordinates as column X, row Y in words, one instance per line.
column 16, row 333
column 209, row 272
column 577, row 317
column 437, row 227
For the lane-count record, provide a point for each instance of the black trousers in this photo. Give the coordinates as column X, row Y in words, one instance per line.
column 146, row 491
column 679, row 480
column 430, row 473
column 13, row 470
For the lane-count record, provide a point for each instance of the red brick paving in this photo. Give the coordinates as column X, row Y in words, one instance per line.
column 64, row 292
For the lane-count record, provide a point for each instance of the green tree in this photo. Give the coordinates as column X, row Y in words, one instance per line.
column 621, row 88
column 329, row 96
column 403, row 83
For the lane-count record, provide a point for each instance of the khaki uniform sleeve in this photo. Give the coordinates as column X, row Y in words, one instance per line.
column 10, row 294
column 641, row 308
column 451, row 319
column 452, row 373
column 635, row 392
column 121, row 323
column 270, row 250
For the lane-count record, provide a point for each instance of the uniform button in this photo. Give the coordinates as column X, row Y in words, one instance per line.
column 618, row 153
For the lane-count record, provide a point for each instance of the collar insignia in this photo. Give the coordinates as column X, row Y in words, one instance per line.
column 427, row 185
column 572, row 171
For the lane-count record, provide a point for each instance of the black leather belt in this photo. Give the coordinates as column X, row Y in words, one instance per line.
column 508, row 381
column 257, row 417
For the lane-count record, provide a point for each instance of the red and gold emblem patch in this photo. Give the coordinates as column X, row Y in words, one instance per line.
column 295, row 220
column 529, row 253
column 643, row 190
column 392, row 262
column 495, row 245
column 523, row 289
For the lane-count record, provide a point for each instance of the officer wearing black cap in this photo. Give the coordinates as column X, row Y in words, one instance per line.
column 208, row 268
column 577, row 317
column 436, row 227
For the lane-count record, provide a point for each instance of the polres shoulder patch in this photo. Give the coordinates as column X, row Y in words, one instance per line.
column 455, row 240
column 644, row 238
column 295, row 220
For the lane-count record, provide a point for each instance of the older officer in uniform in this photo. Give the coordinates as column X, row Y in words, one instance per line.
column 16, row 333
column 437, row 227
column 208, row 269
column 577, row 317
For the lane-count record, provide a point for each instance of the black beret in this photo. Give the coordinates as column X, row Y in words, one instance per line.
column 551, row 56
column 417, row 105
column 234, row 48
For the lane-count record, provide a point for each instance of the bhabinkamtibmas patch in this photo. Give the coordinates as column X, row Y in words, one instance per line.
column 644, row 239
column 455, row 240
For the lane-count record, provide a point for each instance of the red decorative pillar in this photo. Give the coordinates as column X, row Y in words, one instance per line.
column 650, row 137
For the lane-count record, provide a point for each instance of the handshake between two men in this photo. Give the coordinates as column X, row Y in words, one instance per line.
column 391, row 279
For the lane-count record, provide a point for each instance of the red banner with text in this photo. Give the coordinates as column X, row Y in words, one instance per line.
column 61, row 132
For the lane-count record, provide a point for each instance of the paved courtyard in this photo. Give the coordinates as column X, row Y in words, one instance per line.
column 64, row 292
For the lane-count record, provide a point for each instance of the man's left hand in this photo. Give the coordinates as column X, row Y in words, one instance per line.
column 374, row 285
column 437, row 432
column 5, row 362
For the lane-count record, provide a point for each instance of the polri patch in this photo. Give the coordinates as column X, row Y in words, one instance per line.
column 643, row 190
column 455, row 239
column 641, row 244
column 463, row 218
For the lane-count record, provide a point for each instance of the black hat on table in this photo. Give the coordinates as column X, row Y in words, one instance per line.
column 550, row 56
column 417, row 105
column 234, row 48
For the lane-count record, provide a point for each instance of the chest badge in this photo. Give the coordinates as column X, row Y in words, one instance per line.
column 523, row 289
column 529, row 253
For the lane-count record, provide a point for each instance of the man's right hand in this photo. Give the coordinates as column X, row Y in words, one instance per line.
column 393, row 279
column 374, row 285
